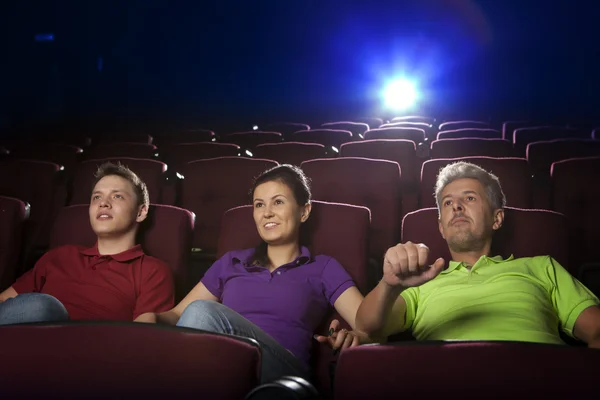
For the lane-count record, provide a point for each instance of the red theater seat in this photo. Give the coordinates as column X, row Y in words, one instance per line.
column 398, row 150
column 294, row 153
column 212, row 187
column 41, row 184
column 185, row 136
column 93, row 360
column 469, row 147
column 180, row 154
column 415, row 134
column 523, row 136
column 13, row 214
column 364, row 182
column 525, row 233
column 450, row 125
column 326, row 137
column 483, row 133
column 62, row 154
column 498, row 370
column 337, row 230
column 249, row 140
column 286, row 128
column 358, row 129
column 541, row 155
column 150, row 171
column 165, row 234
column 576, row 190
column 116, row 150
column 513, row 173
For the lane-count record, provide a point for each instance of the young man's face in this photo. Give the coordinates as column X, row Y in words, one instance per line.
column 114, row 208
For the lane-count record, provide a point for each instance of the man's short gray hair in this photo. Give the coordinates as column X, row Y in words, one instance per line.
column 461, row 170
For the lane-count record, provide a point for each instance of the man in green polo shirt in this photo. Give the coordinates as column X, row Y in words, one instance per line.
column 477, row 297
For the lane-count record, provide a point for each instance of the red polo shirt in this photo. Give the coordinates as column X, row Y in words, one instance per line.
column 91, row 286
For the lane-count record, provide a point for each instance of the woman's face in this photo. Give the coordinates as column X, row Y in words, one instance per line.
column 277, row 214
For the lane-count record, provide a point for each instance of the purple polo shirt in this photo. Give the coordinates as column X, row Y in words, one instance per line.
column 289, row 303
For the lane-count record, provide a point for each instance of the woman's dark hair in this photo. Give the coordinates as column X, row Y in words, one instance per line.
column 294, row 178
column 290, row 175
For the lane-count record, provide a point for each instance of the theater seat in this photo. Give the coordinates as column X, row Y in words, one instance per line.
column 116, row 150
column 133, row 360
column 286, row 128
column 285, row 388
column 358, row 129
column 294, row 153
column 470, row 147
column 466, row 124
column 13, row 214
column 249, row 140
column 525, row 233
column 327, row 137
column 375, row 184
column 165, row 234
column 576, row 190
column 513, row 173
column 414, row 134
column 484, row 133
column 150, row 171
column 42, row 185
column 467, row 370
column 338, row 230
column 62, row 154
column 213, row 186
column 180, row 154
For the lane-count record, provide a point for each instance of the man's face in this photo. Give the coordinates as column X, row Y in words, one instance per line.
column 114, row 208
column 466, row 218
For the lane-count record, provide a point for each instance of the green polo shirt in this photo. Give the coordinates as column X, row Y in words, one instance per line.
column 523, row 299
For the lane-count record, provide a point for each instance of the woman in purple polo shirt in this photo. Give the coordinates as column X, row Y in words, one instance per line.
column 277, row 293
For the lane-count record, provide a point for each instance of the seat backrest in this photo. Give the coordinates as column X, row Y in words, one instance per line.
column 408, row 124
column 413, row 118
column 123, row 137
column 184, row 362
column 518, row 370
column 116, row 150
column 364, row 182
column 373, row 122
column 402, row 151
column 287, row 128
column 39, row 184
column 417, row 135
column 513, row 173
column 185, row 136
column 484, row 133
column 358, row 129
column 509, row 127
column 251, row 139
column 212, row 187
column 180, row 154
column 57, row 153
column 523, row 136
column 149, row 171
column 326, row 137
column 323, row 233
column 525, row 233
column 165, row 234
column 450, row 125
column 290, row 152
column 469, row 147
column 14, row 213
column 541, row 155
column 576, row 190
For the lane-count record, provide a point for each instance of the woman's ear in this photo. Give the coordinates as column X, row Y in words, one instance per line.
column 305, row 212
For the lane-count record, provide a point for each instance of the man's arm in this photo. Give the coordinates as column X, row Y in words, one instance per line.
column 8, row 294
column 156, row 294
column 374, row 314
column 587, row 327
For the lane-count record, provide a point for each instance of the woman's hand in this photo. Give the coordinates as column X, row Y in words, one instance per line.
column 340, row 339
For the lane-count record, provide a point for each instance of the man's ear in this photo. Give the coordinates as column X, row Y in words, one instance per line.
column 305, row 212
column 142, row 213
column 498, row 219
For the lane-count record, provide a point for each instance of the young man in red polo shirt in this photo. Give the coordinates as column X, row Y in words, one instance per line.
column 114, row 280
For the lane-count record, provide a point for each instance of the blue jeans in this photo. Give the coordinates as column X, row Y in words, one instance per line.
column 215, row 317
column 32, row 307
